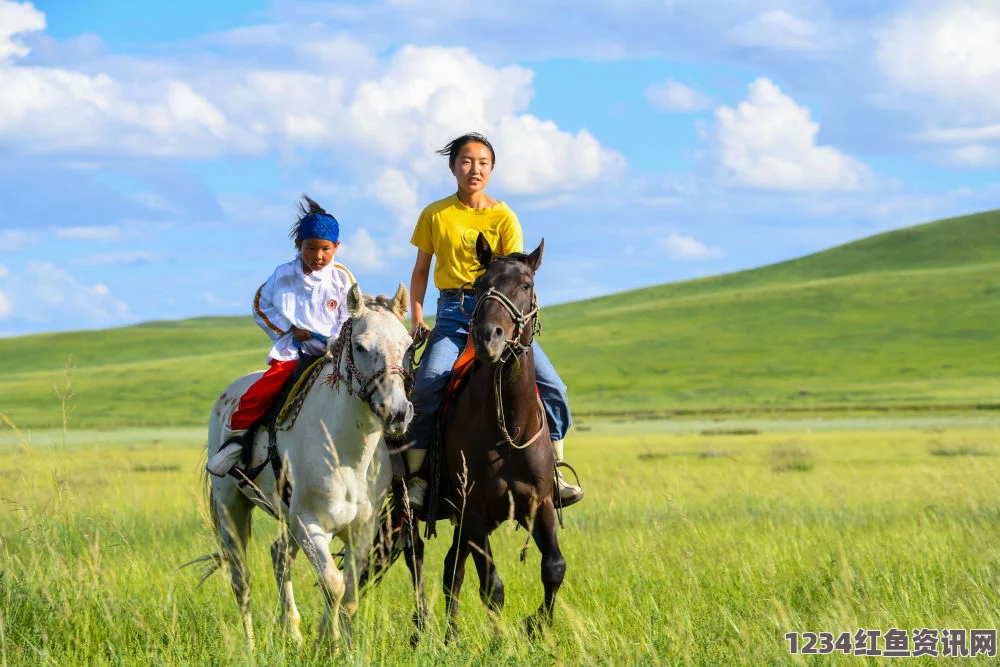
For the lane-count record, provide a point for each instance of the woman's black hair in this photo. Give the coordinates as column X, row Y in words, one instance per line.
column 306, row 207
column 455, row 145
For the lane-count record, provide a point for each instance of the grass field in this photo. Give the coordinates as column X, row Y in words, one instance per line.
column 905, row 319
column 697, row 545
column 837, row 471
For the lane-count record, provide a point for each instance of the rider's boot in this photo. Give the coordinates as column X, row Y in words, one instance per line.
column 416, row 486
column 229, row 453
column 569, row 493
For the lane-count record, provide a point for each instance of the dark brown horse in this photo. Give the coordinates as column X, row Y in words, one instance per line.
column 497, row 446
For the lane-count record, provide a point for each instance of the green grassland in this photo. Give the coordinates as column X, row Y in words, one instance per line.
column 904, row 319
column 702, row 540
column 690, row 548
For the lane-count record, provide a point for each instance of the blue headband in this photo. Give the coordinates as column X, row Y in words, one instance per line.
column 319, row 226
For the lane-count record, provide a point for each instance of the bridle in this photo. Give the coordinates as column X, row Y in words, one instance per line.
column 366, row 385
column 514, row 348
column 514, row 345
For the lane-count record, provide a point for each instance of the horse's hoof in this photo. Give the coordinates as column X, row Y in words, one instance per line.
column 325, row 649
column 415, row 640
column 533, row 625
column 292, row 631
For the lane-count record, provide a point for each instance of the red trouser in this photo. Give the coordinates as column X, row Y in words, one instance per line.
column 261, row 394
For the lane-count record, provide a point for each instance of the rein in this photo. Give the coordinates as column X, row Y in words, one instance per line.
column 290, row 412
column 366, row 384
column 514, row 348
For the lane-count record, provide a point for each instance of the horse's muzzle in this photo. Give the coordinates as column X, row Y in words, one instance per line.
column 489, row 342
column 395, row 420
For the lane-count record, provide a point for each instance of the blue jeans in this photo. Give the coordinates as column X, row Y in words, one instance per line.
column 451, row 332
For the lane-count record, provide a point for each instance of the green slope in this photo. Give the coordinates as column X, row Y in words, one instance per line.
column 910, row 316
column 907, row 318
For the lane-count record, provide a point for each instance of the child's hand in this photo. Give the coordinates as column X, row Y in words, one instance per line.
column 300, row 335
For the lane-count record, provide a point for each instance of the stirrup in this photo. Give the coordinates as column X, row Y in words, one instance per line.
column 561, row 484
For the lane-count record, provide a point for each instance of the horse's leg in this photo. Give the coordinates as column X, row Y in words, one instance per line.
column 357, row 549
column 413, row 554
column 282, row 555
column 454, row 574
column 233, row 511
column 315, row 543
column 490, row 584
column 553, row 564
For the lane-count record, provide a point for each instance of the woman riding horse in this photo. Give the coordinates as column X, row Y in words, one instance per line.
column 448, row 230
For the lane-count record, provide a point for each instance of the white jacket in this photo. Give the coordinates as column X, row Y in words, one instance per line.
column 314, row 301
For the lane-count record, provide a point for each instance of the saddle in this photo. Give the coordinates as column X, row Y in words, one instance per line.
column 438, row 506
column 284, row 407
column 456, row 382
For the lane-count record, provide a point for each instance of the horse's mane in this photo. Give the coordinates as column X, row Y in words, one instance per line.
column 380, row 302
column 512, row 257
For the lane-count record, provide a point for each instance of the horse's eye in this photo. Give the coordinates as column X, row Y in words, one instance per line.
column 359, row 348
column 526, row 286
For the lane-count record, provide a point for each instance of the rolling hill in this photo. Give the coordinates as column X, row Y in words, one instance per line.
column 908, row 318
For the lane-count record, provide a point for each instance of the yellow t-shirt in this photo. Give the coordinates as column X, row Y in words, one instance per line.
column 448, row 229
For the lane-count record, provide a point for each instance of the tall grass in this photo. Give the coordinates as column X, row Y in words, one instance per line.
column 672, row 558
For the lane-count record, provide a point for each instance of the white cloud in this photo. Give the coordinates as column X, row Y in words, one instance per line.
column 360, row 251
column 51, row 110
column 15, row 239
column 45, row 294
column 675, row 96
column 4, row 301
column 541, row 158
column 777, row 29
column 93, row 233
column 398, row 191
column 17, row 18
column 688, row 248
column 947, row 52
column 962, row 134
column 427, row 95
column 119, row 258
column 769, row 141
column 389, row 113
column 974, row 156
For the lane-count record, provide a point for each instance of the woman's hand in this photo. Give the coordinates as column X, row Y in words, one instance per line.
column 300, row 335
column 419, row 330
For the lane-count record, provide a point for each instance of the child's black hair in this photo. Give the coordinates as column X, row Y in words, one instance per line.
column 455, row 145
column 306, row 207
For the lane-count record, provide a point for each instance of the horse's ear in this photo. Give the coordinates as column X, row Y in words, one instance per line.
column 355, row 301
column 401, row 302
column 535, row 258
column 483, row 250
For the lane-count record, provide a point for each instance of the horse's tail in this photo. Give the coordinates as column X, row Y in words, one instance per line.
column 208, row 563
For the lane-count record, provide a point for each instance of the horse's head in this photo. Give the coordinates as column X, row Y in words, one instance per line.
column 505, row 300
column 378, row 345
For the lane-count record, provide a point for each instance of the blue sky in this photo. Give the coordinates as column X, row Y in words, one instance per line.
column 151, row 154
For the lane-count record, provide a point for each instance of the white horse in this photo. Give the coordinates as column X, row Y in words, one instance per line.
column 334, row 457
